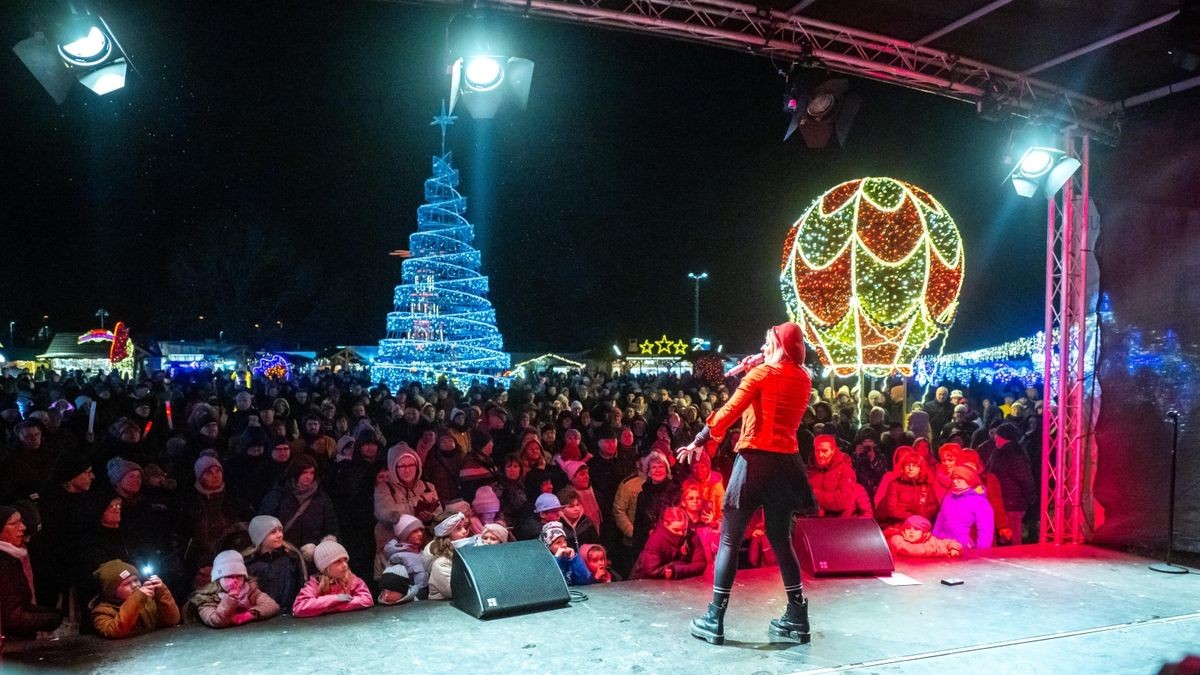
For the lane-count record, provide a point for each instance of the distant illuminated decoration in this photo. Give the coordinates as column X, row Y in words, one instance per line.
column 872, row 270
column 96, row 335
column 663, row 346
column 120, row 349
column 273, row 367
column 443, row 324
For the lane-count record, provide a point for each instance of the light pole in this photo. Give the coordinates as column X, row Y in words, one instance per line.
column 103, row 314
column 10, row 332
column 697, row 278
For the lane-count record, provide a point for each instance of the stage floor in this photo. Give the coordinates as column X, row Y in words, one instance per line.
column 1027, row 609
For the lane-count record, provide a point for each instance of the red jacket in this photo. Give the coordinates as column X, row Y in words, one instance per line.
column 905, row 498
column 834, row 485
column 683, row 555
column 770, row 400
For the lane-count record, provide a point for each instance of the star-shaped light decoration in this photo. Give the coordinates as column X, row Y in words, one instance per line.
column 647, row 347
column 663, row 345
column 680, row 347
column 443, row 120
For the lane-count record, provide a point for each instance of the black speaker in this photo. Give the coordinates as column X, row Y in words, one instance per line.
column 491, row 581
column 841, row 546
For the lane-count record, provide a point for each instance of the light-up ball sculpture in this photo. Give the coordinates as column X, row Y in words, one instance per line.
column 872, row 270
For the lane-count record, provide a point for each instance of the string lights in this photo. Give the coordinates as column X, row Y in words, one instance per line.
column 872, row 270
column 443, row 324
column 709, row 368
column 273, row 367
column 517, row 367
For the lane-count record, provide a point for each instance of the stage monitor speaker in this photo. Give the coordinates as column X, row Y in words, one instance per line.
column 492, row 581
column 841, row 546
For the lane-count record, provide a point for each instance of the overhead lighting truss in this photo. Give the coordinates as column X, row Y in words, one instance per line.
column 768, row 32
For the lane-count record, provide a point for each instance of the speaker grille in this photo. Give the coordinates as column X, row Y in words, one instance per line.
column 502, row 579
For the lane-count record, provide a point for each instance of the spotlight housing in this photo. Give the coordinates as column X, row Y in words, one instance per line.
column 485, row 82
column 81, row 49
column 828, row 109
column 1044, row 170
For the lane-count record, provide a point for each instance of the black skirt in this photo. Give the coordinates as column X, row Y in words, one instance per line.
column 770, row 478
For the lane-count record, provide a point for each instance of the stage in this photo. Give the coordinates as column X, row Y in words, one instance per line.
column 1028, row 609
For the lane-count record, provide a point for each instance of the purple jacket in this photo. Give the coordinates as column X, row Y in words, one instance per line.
column 959, row 513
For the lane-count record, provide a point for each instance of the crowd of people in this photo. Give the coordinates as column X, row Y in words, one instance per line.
column 212, row 497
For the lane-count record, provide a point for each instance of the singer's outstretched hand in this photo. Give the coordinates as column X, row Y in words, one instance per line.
column 688, row 453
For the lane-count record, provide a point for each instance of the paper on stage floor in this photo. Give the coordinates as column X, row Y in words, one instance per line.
column 899, row 579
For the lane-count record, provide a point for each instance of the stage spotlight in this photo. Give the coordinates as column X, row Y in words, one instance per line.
column 483, row 73
column 1042, row 169
column 484, row 82
column 828, row 109
column 83, row 50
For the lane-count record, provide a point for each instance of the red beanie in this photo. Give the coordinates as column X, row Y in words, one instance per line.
column 904, row 455
column 791, row 339
column 949, row 450
column 968, row 456
column 968, row 474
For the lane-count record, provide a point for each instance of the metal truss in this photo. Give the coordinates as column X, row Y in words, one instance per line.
column 1066, row 426
column 769, row 32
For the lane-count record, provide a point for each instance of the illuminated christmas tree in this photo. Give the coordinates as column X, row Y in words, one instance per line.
column 443, row 324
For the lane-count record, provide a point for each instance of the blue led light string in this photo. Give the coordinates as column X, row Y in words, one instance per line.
column 443, row 324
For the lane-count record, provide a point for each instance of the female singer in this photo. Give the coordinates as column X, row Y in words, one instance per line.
column 768, row 472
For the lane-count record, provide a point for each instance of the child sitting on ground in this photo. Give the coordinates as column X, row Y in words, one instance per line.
column 335, row 588
column 231, row 599
column 574, row 570
column 405, row 550
column 596, row 559
column 579, row 527
column 128, row 606
column 451, row 531
column 493, row 533
column 395, row 587
column 277, row 566
column 916, row 539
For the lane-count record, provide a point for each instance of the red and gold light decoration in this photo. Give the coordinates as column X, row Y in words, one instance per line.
column 872, row 270
column 120, row 343
column 709, row 368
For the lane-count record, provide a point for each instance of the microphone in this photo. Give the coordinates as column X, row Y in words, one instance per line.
column 1173, row 414
column 746, row 364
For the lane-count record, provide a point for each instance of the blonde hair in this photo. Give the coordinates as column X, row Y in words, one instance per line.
column 325, row 581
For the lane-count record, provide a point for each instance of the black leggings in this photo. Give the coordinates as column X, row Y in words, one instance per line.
column 779, row 533
column 755, row 483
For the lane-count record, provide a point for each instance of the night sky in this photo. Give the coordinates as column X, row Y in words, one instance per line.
column 272, row 153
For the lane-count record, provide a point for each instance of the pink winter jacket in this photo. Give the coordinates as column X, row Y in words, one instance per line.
column 309, row 602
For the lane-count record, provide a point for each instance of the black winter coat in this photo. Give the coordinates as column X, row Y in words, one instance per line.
column 651, row 502
column 1010, row 465
column 18, row 615
column 317, row 521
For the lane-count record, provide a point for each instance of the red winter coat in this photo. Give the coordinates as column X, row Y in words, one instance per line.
column 684, row 555
column 906, row 498
column 770, row 401
column 833, row 485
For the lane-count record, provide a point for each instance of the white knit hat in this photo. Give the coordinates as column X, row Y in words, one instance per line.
column 404, row 526
column 228, row 564
column 327, row 553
